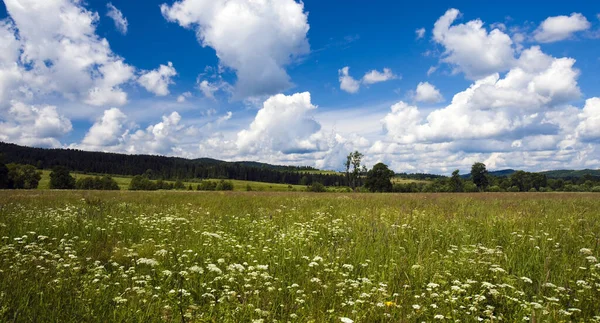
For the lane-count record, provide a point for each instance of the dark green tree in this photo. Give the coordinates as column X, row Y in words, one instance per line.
column 479, row 176
column 23, row 176
column 456, row 182
column 61, row 179
column 379, row 179
column 3, row 176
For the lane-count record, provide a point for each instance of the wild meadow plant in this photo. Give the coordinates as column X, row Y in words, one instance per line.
column 298, row 257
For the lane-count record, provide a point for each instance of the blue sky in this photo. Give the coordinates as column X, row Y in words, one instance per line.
column 423, row 87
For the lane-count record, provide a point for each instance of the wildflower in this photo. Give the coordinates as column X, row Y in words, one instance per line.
column 527, row 280
column 439, row 317
column 147, row 261
column 389, row 303
column 416, row 307
column 585, row 251
column 346, row 320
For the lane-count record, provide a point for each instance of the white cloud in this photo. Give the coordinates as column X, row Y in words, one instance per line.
column 374, row 76
column 208, row 89
column 160, row 138
column 34, row 125
column 58, row 52
column 117, row 16
column 470, row 49
column 183, row 97
column 256, row 39
column 493, row 107
column 420, row 33
column 347, row 82
column 157, row 81
column 428, row 93
column 589, row 127
column 284, row 124
column 351, row 85
column 108, row 131
column 558, row 28
column 431, row 70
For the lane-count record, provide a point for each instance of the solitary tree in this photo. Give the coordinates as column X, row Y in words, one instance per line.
column 61, row 179
column 379, row 179
column 479, row 176
column 456, row 182
column 354, row 159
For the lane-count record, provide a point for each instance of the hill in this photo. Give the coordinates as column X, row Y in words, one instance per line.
column 162, row 167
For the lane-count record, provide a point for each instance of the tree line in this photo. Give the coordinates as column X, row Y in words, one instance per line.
column 165, row 168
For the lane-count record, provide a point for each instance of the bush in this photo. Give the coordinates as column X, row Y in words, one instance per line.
column 470, row 187
column 142, row 183
column 513, row 189
column 224, row 186
column 248, row 188
column 317, row 187
column 596, row 189
column 179, row 185
column 61, row 179
column 23, row 176
column 97, row 183
column 494, row 188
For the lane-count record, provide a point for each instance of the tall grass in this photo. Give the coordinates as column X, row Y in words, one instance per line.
column 298, row 257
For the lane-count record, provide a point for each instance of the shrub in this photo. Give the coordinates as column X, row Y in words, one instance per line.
column 23, row 176
column 61, row 179
column 317, row 187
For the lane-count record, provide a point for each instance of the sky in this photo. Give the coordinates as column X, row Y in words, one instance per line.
column 422, row 86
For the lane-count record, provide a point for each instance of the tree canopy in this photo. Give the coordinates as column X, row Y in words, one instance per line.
column 379, row 179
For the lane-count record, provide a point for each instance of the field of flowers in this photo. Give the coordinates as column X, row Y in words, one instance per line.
column 298, row 257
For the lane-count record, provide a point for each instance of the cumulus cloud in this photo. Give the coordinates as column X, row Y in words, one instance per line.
column 284, row 124
column 589, row 127
column 57, row 51
column 109, row 130
column 470, row 48
column 559, row 28
column 157, row 81
column 375, row 76
column 184, row 96
column 420, row 33
column 34, row 125
column 117, row 16
column 493, row 107
column 256, row 39
column 427, row 93
column 351, row 85
column 347, row 82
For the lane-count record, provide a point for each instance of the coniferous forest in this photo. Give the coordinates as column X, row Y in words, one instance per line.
column 162, row 167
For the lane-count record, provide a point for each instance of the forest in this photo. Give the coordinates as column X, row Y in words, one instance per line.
column 162, row 167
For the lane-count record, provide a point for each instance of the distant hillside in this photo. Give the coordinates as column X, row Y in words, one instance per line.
column 162, row 167
column 565, row 174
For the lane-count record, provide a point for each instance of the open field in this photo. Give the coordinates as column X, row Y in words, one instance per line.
column 75, row 256
column 238, row 185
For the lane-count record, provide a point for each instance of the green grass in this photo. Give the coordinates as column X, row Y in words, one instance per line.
column 77, row 256
column 238, row 185
column 398, row 180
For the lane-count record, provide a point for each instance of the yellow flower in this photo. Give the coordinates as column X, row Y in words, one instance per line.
column 389, row 303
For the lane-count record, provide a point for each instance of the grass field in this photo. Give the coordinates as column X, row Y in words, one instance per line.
column 75, row 256
column 238, row 185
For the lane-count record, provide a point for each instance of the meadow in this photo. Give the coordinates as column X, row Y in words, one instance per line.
column 238, row 185
column 121, row 256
